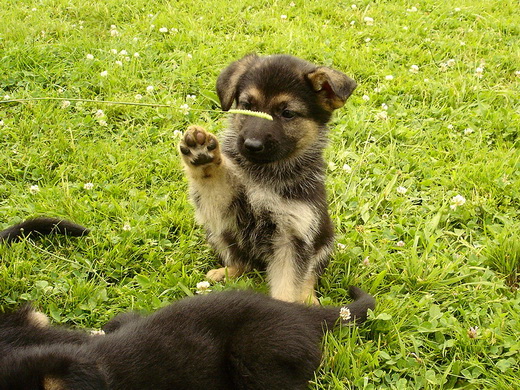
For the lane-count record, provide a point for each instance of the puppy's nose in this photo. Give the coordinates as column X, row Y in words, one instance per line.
column 253, row 145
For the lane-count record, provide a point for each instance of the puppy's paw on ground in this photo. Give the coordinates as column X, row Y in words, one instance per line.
column 199, row 148
column 219, row 274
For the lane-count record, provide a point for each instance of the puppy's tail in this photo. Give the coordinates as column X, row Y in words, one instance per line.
column 354, row 313
column 42, row 226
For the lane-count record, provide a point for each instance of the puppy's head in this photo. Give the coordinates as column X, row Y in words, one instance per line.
column 297, row 94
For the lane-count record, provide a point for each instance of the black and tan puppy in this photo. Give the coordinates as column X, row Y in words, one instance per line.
column 260, row 193
column 222, row 341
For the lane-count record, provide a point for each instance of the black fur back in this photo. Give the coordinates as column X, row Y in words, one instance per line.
column 233, row 340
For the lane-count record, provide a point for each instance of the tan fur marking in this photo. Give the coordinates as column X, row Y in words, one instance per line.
column 253, row 93
column 53, row 383
column 38, row 319
column 308, row 134
column 308, row 293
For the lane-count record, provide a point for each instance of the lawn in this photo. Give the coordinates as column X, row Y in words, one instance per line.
column 423, row 168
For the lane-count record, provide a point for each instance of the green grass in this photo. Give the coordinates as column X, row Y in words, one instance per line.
column 436, row 271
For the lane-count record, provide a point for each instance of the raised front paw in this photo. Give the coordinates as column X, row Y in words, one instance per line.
column 199, row 148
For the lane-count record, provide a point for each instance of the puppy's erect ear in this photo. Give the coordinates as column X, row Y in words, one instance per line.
column 227, row 82
column 333, row 87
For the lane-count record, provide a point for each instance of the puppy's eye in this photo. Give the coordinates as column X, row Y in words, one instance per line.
column 245, row 105
column 288, row 114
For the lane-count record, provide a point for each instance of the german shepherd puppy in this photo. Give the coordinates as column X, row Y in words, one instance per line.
column 220, row 341
column 260, row 193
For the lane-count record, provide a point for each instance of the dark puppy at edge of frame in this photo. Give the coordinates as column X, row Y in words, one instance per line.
column 260, row 193
column 220, row 341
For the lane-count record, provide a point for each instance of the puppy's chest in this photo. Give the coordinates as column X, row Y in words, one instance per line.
column 258, row 212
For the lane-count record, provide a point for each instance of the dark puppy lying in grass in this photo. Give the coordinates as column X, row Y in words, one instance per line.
column 229, row 340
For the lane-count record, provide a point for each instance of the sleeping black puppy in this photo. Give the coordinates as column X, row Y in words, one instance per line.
column 230, row 340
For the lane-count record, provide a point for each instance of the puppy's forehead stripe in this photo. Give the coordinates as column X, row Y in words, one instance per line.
column 288, row 100
column 253, row 93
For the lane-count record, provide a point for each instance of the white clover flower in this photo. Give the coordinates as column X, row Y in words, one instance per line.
column 352, row 22
column 383, row 115
column 185, row 109
column 389, row 77
column 457, row 201
column 150, row 88
column 2, row 122
column 368, row 40
column 450, row 127
column 34, row 189
column 123, row 53
column 468, row 131
column 457, row 9
column 137, row 55
column 189, row 56
column 88, row 186
column 384, row 106
column 341, row 246
column 368, row 20
column 103, row 123
column 450, row 62
column 104, row 73
column 203, row 287
column 345, row 314
column 443, row 66
column 406, row 28
column 191, row 97
column 127, row 59
column 366, row 98
column 114, row 33
column 99, row 114
column 413, row 9
column 7, row 97
column 174, row 30
column 473, row 332
column 138, row 96
column 177, row 134
column 90, row 57
column 414, row 69
column 283, row 17
column 113, row 51
column 353, row 6
column 163, row 29
column 347, row 168
column 292, row 4
column 366, row 261
column 65, row 104
column 119, row 63
column 517, row 73
column 127, row 227
column 401, row 190
column 400, row 244
column 479, row 72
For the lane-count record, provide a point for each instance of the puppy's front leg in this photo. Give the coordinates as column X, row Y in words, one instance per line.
column 212, row 187
column 201, row 155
